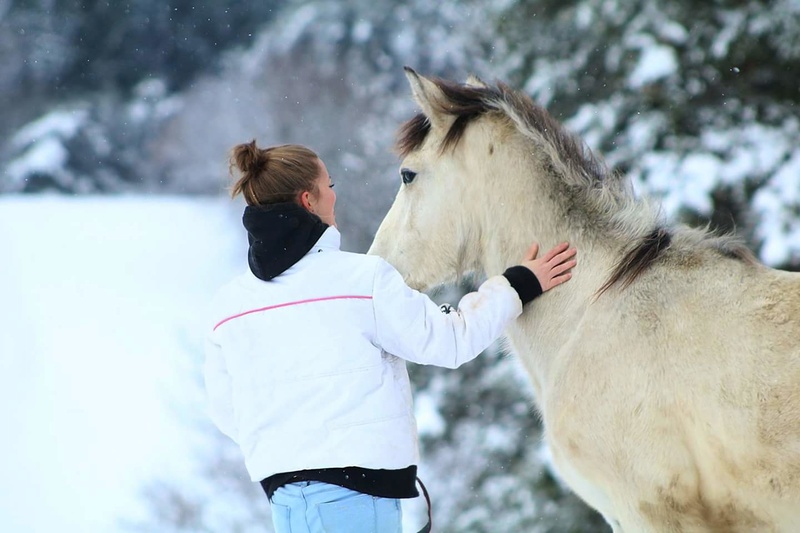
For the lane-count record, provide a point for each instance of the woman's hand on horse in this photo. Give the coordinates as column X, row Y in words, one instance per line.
column 554, row 268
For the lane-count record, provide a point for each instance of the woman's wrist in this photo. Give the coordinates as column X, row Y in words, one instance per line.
column 524, row 281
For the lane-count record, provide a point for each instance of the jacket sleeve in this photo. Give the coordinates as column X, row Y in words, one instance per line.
column 411, row 326
column 218, row 389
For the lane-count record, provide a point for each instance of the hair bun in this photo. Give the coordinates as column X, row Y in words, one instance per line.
column 249, row 158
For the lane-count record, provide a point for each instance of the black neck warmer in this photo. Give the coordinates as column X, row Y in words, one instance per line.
column 279, row 235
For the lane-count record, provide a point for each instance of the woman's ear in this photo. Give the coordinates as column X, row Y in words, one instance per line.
column 305, row 201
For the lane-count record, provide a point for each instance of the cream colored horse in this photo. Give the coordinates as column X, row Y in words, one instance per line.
column 667, row 371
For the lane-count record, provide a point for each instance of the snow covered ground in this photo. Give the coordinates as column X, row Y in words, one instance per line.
column 101, row 305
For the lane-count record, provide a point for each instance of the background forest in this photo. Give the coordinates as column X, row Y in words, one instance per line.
column 696, row 101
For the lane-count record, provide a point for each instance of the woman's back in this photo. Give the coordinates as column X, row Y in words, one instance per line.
column 302, row 356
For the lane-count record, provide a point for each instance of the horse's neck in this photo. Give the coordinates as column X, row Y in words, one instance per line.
column 507, row 235
column 595, row 262
column 548, row 321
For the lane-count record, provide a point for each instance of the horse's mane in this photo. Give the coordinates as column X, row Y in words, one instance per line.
column 571, row 160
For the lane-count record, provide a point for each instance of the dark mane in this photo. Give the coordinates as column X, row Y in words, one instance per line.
column 638, row 258
column 649, row 248
column 576, row 166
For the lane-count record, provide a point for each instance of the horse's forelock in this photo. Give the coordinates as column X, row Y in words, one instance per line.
column 412, row 134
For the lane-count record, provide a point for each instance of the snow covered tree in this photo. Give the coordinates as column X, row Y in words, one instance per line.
column 77, row 46
column 90, row 147
column 110, row 70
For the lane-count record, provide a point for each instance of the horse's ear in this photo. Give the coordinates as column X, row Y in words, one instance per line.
column 429, row 97
column 475, row 81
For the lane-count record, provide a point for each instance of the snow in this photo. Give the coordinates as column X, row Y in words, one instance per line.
column 698, row 177
column 102, row 328
column 63, row 123
column 755, row 149
column 592, row 120
column 584, row 16
column 788, row 178
column 296, row 25
column 152, row 101
column 429, row 420
column 672, row 31
column 40, row 144
column 777, row 205
column 733, row 21
column 655, row 62
column 403, row 41
column 46, row 156
column 362, row 31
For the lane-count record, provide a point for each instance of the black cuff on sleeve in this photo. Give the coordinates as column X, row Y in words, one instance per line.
column 524, row 281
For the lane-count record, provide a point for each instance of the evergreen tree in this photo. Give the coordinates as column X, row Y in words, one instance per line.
column 109, row 69
column 75, row 46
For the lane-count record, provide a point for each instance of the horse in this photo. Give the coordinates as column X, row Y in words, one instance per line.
column 667, row 370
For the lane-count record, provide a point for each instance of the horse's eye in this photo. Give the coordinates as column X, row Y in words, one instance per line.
column 407, row 175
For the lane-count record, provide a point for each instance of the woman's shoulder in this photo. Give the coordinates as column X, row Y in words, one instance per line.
column 366, row 263
column 345, row 259
column 346, row 271
column 231, row 286
column 359, row 257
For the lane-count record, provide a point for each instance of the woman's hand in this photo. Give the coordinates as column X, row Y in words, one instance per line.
column 554, row 267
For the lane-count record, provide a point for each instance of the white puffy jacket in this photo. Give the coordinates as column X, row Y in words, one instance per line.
column 308, row 370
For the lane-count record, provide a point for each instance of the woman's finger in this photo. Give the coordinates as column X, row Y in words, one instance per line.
column 564, row 256
column 563, row 267
column 558, row 280
column 554, row 251
column 533, row 251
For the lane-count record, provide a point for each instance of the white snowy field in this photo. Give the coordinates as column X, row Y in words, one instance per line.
column 101, row 304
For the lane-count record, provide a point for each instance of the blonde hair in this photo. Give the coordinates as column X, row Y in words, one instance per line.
column 274, row 175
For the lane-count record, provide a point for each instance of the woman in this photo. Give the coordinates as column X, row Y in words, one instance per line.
column 306, row 357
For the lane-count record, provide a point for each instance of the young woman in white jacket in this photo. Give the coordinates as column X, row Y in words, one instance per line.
column 306, row 351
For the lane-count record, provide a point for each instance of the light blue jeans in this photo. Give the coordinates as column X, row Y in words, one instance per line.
column 316, row 507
